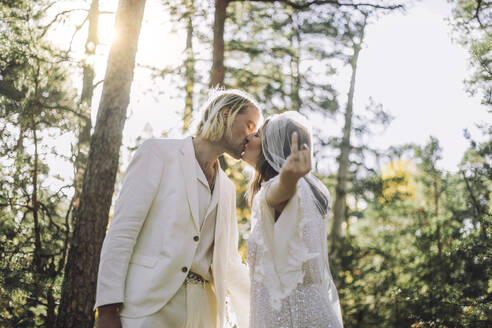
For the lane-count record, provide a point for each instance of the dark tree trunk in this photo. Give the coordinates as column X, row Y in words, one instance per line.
column 218, row 70
column 50, row 309
column 91, row 218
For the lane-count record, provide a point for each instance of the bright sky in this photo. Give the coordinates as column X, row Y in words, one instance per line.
column 412, row 67
column 409, row 64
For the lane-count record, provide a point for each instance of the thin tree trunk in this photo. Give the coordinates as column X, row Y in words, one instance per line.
column 218, row 70
column 38, row 267
column 343, row 161
column 295, row 76
column 85, row 125
column 86, row 100
column 50, row 308
column 79, row 285
column 35, row 206
column 189, row 66
column 340, row 206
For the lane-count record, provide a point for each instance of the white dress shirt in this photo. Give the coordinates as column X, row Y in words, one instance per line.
column 207, row 212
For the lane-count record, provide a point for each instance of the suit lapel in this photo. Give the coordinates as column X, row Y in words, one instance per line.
column 190, row 179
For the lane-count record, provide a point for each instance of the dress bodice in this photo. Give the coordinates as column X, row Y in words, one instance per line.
column 291, row 283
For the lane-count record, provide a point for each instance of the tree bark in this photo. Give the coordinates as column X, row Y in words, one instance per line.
column 91, row 218
column 218, row 71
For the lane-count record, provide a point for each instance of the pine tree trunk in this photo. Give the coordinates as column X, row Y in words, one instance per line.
column 218, row 70
column 189, row 66
column 295, row 73
column 339, row 208
column 86, row 100
column 91, row 219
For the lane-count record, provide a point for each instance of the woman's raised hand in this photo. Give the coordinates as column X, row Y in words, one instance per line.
column 298, row 164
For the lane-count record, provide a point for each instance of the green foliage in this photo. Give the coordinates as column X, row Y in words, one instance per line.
column 423, row 261
column 413, row 256
column 278, row 54
column 36, row 100
column 472, row 24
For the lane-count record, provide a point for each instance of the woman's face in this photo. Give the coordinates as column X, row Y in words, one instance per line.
column 253, row 149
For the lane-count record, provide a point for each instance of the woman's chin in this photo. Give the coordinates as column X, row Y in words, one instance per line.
column 247, row 160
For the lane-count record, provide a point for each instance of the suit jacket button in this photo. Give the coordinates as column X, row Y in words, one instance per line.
column 184, row 269
column 196, row 238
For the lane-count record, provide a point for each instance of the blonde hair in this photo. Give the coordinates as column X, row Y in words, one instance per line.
column 211, row 126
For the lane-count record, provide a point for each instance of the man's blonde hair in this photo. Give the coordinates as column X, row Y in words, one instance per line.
column 211, row 126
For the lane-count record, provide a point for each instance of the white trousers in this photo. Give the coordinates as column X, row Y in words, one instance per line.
column 193, row 306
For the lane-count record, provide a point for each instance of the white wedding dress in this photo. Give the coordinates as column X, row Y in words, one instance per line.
column 291, row 283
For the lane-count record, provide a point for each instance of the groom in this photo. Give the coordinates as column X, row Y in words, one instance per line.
column 170, row 255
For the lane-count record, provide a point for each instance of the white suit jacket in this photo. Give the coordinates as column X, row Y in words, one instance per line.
column 150, row 242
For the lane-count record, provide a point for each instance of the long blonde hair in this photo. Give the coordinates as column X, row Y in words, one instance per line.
column 211, row 126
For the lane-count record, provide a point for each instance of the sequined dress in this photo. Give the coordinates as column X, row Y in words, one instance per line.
column 291, row 283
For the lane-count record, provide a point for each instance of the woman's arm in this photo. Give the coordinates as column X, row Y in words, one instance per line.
column 297, row 165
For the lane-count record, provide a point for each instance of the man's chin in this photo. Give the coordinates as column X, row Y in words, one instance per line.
column 235, row 155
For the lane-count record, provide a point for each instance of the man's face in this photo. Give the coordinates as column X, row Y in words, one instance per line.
column 244, row 124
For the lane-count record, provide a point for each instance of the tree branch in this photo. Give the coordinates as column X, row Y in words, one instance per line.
column 306, row 5
column 66, row 108
column 47, row 26
column 477, row 13
column 97, row 83
column 77, row 29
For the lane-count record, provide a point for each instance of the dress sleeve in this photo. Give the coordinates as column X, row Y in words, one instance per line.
column 284, row 249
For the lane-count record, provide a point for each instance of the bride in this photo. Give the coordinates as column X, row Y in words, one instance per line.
column 291, row 283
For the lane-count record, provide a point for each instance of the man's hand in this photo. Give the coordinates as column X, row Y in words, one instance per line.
column 109, row 316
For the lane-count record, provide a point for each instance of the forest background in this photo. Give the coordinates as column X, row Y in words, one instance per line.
column 83, row 83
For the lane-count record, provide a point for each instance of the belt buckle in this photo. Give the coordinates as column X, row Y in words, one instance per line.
column 195, row 278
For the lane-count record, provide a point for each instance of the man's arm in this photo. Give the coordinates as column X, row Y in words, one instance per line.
column 139, row 188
